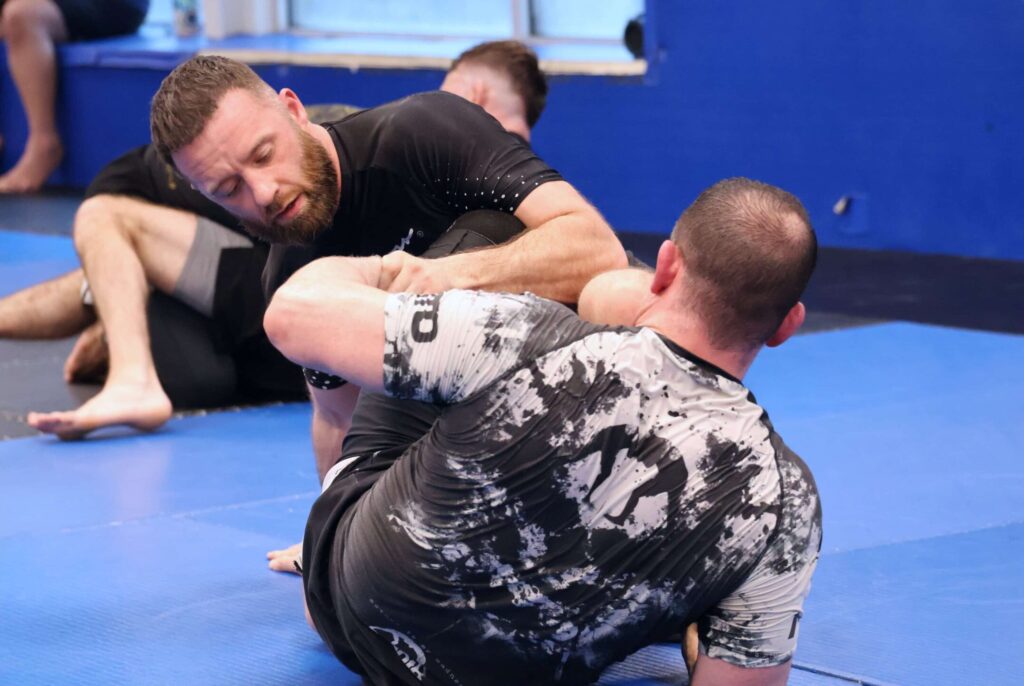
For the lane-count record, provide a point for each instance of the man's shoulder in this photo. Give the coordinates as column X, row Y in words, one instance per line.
column 795, row 473
column 431, row 104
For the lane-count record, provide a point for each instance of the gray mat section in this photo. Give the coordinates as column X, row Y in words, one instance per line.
column 32, row 373
column 51, row 212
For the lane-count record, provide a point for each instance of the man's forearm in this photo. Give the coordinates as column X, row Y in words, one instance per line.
column 327, row 441
column 332, row 418
column 554, row 260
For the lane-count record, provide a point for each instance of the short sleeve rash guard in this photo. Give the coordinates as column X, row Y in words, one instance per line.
column 586, row 491
column 411, row 167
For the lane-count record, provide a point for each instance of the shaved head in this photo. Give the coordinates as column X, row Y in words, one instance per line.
column 749, row 251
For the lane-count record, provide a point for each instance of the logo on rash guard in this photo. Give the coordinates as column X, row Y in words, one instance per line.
column 424, row 319
column 408, row 652
column 404, row 243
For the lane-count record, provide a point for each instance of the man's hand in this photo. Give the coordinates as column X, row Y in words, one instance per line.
column 401, row 272
column 286, row 560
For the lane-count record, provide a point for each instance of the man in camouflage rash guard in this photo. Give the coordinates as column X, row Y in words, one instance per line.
column 588, row 488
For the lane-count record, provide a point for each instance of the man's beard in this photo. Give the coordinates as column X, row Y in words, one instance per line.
column 321, row 193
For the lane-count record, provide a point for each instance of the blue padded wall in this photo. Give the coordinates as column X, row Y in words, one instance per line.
column 912, row 109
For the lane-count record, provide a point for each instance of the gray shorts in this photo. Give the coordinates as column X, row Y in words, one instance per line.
column 198, row 281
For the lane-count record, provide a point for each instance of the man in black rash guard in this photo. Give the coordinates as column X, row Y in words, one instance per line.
column 391, row 177
column 206, row 338
column 588, row 488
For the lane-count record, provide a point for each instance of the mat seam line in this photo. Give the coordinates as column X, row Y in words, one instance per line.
column 836, row 674
column 191, row 514
column 990, row 527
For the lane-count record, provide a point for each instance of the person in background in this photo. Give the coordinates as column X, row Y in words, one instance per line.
column 505, row 79
column 30, row 29
column 204, row 312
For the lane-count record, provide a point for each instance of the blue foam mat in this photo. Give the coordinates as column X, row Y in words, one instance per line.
column 139, row 559
column 27, row 259
column 222, row 460
column 912, row 431
column 945, row 610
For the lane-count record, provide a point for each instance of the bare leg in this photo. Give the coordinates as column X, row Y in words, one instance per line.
column 125, row 245
column 30, row 28
column 332, row 417
column 51, row 309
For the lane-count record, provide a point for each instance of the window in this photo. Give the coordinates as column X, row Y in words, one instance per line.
column 527, row 20
column 160, row 12
column 413, row 17
column 582, row 19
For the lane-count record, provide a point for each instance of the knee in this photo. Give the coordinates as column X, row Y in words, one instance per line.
column 18, row 17
column 100, row 216
column 92, row 219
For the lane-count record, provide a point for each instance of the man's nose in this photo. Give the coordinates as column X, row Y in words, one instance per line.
column 264, row 190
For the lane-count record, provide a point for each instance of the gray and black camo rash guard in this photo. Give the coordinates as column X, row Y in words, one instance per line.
column 587, row 491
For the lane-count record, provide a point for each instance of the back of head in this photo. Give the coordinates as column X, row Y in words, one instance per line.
column 519, row 63
column 749, row 251
column 189, row 95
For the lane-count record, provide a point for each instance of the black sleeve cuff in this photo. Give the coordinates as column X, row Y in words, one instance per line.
column 322, row 380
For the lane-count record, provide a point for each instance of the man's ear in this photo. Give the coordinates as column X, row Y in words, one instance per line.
column 669, row 263
column 294, row 106
column 789, row 326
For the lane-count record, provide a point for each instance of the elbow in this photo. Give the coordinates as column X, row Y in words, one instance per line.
column 281, row 322
column 291, row 315
column 609, row 253
column 615, row 255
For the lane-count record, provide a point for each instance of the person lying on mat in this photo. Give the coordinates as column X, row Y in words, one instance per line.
column 185, row 303
column 587, row 489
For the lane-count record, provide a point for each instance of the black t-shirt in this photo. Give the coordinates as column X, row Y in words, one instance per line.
column 409, row 168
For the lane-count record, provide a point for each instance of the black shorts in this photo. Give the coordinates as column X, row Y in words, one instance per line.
column 225, row 358
column 91, row 19
column 382, row 430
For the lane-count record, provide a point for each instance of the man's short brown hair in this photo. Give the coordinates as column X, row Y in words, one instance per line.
column 189, row 96
column 749, row 251
column 520, row 64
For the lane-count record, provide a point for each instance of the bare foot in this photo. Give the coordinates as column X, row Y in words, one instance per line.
column 88, row 360
column 144, row 407
column 286, row 560
column 41, row 157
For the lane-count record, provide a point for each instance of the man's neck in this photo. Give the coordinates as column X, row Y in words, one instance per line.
column 514, row 124
column 324, row 138
column 687, row 333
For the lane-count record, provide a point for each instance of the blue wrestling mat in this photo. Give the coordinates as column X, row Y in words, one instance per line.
column 133, row 559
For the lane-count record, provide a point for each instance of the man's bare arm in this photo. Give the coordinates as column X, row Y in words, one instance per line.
column 713, row 672
column 329, row 316
column 566, row 243
column 332, row 417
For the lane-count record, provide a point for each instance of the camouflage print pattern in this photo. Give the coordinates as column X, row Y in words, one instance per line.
column 586, row 491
